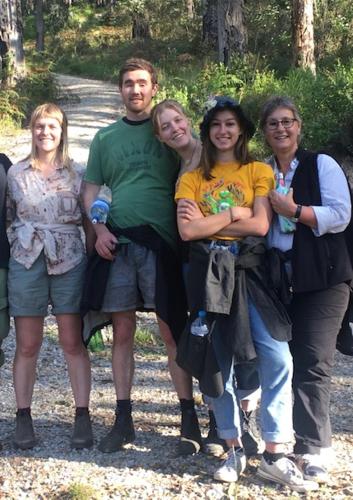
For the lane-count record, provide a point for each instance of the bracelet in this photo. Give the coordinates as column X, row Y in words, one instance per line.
column 297, row 213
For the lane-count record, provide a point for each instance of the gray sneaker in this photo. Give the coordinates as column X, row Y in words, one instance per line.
column 285, row 472
column 232, row 466
column 312, row 467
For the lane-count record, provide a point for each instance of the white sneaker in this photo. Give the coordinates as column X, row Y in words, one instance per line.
column 232, row 466
column 312, row 467
column 285, row 472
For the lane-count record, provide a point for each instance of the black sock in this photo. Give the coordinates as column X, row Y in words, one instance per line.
column 81, row 410
column 187, row 404
column 23, row 411
column 272, row 457
column 123, row 406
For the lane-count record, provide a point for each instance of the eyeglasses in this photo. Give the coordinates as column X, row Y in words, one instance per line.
column 286, row 123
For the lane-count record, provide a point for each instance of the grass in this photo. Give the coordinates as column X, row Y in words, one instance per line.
column 80, row 491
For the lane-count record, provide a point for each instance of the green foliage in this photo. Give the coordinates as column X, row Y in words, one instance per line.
column 325, row 102
column 79, row 491
column 11, row 108
column 37, row 87
column 147, row 338
column 95, row 41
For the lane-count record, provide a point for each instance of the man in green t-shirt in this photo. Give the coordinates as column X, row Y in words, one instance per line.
column 141, row 173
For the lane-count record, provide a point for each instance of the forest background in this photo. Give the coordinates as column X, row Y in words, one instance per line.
column 248, row 49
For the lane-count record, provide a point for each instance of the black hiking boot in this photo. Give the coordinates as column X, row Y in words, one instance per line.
column 190, row 435
column 82, row 436
column 24, row 434
column 122, row 432
column 212, row 444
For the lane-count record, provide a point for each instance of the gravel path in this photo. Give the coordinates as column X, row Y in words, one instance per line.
column 147, row 468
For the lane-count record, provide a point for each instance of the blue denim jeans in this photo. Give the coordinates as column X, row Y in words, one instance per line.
column 275, row 373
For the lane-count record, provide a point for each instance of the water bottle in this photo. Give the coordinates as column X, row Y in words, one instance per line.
column 286, row 225
column 100, row 207
column 199, row 325
column 96, row 343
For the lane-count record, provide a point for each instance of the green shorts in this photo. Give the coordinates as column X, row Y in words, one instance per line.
column 32, row 290
column 4, row 312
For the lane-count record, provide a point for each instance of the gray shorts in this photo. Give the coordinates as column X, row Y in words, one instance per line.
column 132, row 279
column 32, row 290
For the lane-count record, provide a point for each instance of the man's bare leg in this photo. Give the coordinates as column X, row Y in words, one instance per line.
column 123, row 364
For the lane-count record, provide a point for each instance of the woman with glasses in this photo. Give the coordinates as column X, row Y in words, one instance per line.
column 224, row 211
column 316, row 266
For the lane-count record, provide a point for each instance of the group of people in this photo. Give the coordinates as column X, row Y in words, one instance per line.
column 276, row 299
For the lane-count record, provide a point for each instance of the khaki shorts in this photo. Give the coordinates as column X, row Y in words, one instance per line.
column 132, row 279
column 32, row 290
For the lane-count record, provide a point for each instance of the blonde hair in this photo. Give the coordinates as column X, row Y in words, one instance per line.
column 50, row 110
column 158, row 109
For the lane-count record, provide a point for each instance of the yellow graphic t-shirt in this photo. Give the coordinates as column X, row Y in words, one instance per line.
column 232, row 185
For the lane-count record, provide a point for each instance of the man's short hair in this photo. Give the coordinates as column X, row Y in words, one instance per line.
column 134, row 64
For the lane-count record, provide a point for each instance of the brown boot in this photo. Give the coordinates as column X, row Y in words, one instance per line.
column 82, row 436
column 24, row 433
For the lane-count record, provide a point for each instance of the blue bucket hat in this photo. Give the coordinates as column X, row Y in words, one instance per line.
column 220, row 103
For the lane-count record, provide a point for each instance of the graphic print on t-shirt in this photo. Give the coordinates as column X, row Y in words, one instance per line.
column 218, row 195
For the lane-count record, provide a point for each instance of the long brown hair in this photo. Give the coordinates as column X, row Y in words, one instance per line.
column 209, row 151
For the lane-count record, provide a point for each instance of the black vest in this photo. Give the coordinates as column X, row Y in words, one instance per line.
column 318, row 262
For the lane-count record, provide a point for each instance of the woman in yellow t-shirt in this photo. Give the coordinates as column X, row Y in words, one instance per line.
column 172, row 127
column 223, row 210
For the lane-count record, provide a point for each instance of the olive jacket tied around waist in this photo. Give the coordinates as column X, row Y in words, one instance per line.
column 222, row 282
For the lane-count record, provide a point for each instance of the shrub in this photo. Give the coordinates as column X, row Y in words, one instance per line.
column 37, row 87
column 325, row 102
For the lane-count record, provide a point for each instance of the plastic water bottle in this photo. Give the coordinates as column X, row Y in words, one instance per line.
column 96, row 343
column 199, row 325
column 100, row 207
column 286, row 225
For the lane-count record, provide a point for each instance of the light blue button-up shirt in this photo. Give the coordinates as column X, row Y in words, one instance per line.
column 334, row 214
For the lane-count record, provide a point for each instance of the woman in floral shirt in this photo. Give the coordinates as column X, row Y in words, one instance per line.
column 47, row 263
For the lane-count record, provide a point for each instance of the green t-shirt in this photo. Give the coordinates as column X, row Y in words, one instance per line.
column 141, row 173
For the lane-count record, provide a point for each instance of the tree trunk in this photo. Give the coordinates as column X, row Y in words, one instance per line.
column 191, row 9
column 140, row 27
column 39, row 26
column 303, row 34
column 232, row 34
column 224, row 29
column 210, row 24
column 11, row 37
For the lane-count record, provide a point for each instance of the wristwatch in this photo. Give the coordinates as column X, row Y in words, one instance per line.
column 297, row 213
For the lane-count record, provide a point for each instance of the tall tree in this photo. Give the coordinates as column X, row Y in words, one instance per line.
column 224, row 28
column 39, row 26
column 303, row 34
column 11, row 41
column 190, row 8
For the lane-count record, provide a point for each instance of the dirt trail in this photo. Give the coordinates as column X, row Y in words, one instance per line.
column 89, row 104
